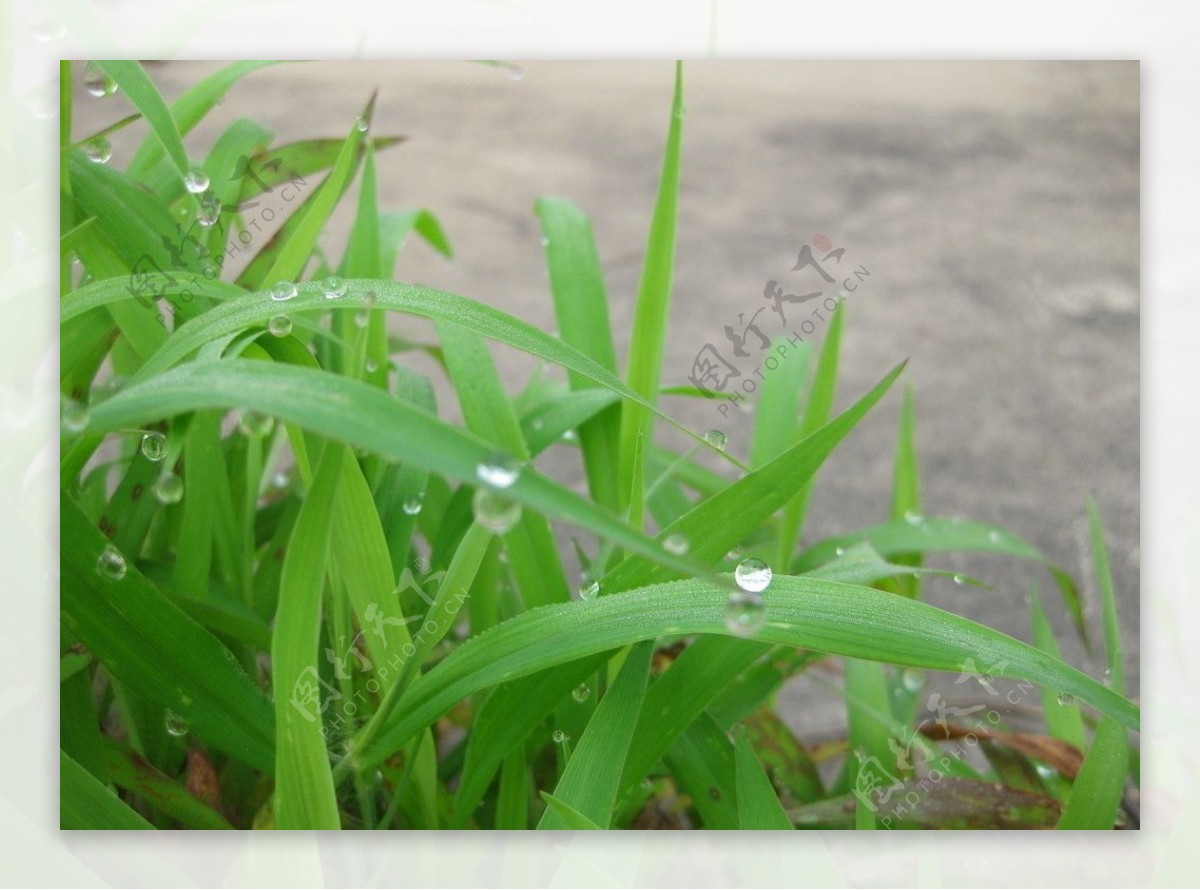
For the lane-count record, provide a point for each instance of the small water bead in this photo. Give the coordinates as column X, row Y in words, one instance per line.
column 581, row 693
column 168, row 489
column 752, row 575
column 280, row 326
column 283, row 290
column 912, row 517
column 370, row 366
column 97, row 82
column 494, row 511
column 209, row 210
column 111, row 564
column 412, row 504
column 1065, row 698
column 196, row 182
column 362, row 125
column 590, row 592
column 716, row 439
column 334, row 287
column 746, row 613
column 912, row 679
column 570, row 436
column 559, row 737
column 676, row 543
column 735, row 553
column 154, row 446
column 98, row 150
column 498, row 470
column 175, row 724
column 841, row 551
column 960, row 580
column 255, row 424
column 73, row 415
column 994, row 537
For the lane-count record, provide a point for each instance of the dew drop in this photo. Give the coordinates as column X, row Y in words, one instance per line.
column 841, row 551
column 168, row 489
column 111, row 564
column 570, row 436
column 752, row 575
column 74, row 415
column 590, row 592
column 498, row 470
column 912, row 517
column 676, row 543
column 196, row 182
column 362, row 125
column 154, row 446
column 746, row 613
column 912, row 679
column 960, row 580
column 98, row 150
column 994, row 536
column 716, row 439
column 334, row 287
column 537, row 424
column 209, row 210
column 1065, row 698
column 97, row 82
column 559, row 737
column 412, row 504
column 255, row 424
column 581, row 693
column 494, row 511
column 175, row 724
column 280, row 326
column 283, row 290
column 735, row 553
column 370, row 366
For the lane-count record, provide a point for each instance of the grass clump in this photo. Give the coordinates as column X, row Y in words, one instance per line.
column 294, row 596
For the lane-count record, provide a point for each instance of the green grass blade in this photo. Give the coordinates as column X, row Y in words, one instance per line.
column 569, row 816
column 157, row 651
column 130, row 771
column 84, row 803
column 842, row 619
column 644, row 364
column 1063, row 719
column 702, row 762
column 758, row 805
column 361, row 416
column 581, row 309
column 1108, row 601
column 141, row 91
column 592, row 778
column 1095, row 796
column 304, row 793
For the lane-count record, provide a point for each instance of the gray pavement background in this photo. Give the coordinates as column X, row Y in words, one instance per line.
column 995, row 204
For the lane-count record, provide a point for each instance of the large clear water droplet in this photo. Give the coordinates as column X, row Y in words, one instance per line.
column 746, row 613
column 168, row 489
column 494, row 511
column 716, row 439
column 111, row 563
column 98, row 150
column 255, row 424
column 334, row 287
column 498, row 470
column 412, row 504
column 175, row 725
column 154, row 446
column 676, row 543
column 283, row 290
column 752, row 575
column 97, row 82
column 280, row 326
column 209, row 210
column 362, row 125
column 559, row 737
column 581, row 693
column 196, row 182
column 73, row 415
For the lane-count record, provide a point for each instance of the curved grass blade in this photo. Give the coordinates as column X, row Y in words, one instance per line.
column 141, row 91
column 1096, row 793
column 362, row 416
column 129, row 770
column 839, row 619
column 758, row 805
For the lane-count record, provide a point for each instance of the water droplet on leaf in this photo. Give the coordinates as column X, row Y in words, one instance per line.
column 98, row 150
column 168, row 489
column 498, row 470
column 746, row 613
column 111, row 564
column 412, row 504
column 175, row 724
column 716, row 439
column 590, row 592
column 752, row 575
column 196, row 182
column 494, row 511
column 581, row 693
column 154, row 446
column 283, row 290
column 280, row 326
column 255, row 424
column 334, row 287
column 676, row 543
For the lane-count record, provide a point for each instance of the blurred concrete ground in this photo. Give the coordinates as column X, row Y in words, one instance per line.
column 995, row 206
